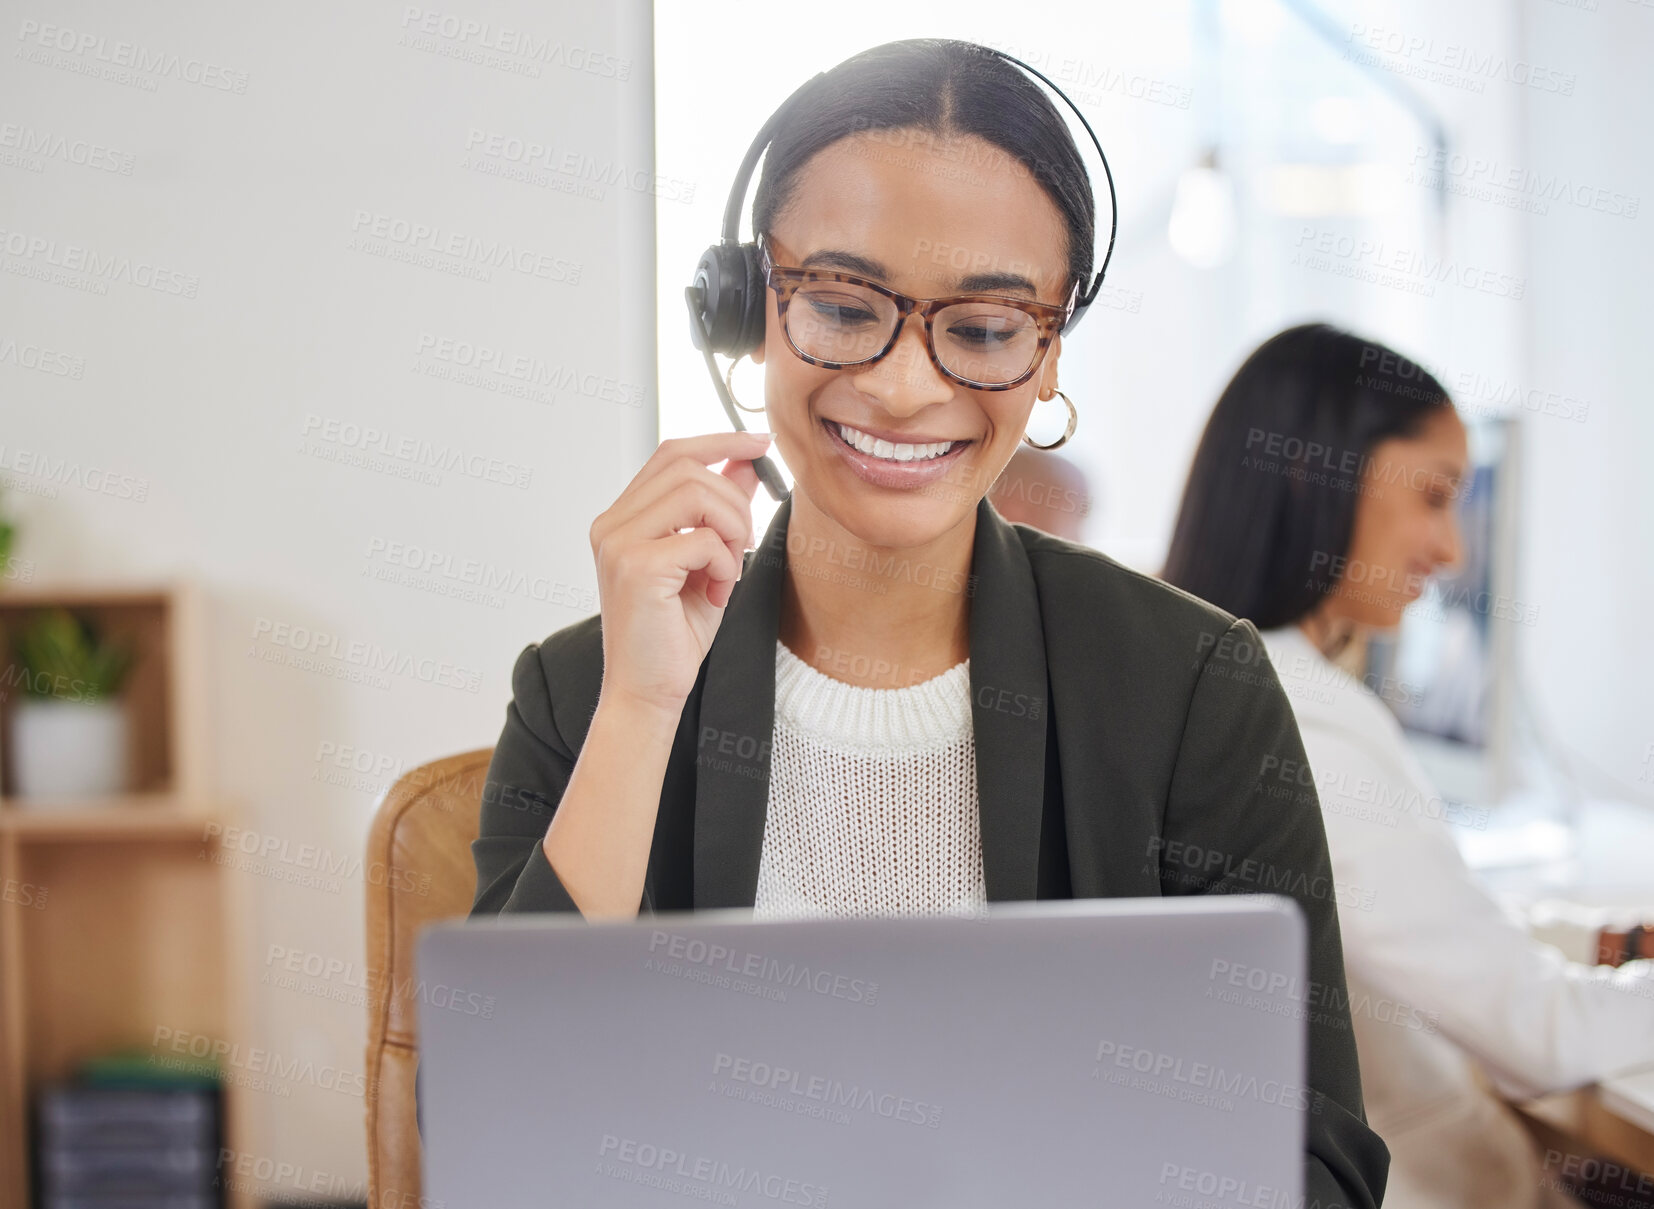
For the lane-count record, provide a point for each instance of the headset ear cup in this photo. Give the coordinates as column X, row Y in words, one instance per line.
column 732, row 302
column 709, row 280
column 753, row 303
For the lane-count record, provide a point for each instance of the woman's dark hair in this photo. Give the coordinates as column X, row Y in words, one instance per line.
column 942, row 87
column 1270, row 504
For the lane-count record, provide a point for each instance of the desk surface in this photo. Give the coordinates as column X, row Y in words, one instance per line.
column 1597, row 856
column 1631, row 1097
column 1585, row 1118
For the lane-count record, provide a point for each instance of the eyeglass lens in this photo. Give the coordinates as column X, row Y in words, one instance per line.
column 842, row 322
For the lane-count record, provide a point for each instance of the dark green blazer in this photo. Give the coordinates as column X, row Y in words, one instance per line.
column 1125, row 732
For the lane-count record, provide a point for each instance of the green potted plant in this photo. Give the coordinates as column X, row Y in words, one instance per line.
column 8, row 533
column 69, row 729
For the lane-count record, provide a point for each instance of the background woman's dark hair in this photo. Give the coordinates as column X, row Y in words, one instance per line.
column 942, row 87
column 1270, row 504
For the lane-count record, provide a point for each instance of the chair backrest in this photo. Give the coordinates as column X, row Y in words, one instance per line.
column 417, row 869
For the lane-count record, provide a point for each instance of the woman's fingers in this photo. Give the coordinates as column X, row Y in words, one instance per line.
column 702, row 551
column 743, row 475
column 705, row 448
column 645, row 495
column 669, row 551
column 699, row 500
column 684, row 473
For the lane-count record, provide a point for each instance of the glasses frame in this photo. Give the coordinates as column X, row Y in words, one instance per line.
column 1049, row 318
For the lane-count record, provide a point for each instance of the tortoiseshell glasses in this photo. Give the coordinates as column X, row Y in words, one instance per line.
column 988, row 341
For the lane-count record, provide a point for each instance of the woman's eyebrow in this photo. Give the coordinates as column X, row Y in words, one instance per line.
column 978, row 282
column 975, row 283
column 847, row 262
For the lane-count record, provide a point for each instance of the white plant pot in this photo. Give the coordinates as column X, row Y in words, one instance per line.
column 64, row 750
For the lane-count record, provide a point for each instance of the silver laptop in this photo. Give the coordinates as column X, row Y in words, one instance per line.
column 1092, row 1052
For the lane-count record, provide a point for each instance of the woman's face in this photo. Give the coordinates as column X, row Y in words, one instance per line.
column 929, row 218
column 1406, row 522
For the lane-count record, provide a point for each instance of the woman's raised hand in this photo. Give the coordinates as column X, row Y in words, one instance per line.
column 668, row 554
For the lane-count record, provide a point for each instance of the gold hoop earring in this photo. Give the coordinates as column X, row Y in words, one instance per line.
column 730, row 386
column 1073, row 422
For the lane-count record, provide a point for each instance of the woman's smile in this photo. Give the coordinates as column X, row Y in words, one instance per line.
column 888, row 464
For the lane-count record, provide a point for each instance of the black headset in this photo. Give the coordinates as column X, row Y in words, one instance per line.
column 726, row 297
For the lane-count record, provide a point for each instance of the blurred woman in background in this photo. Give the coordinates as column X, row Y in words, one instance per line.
column 1322, row 496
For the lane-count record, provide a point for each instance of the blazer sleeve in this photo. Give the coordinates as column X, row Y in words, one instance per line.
column 527, row 775
column 1230, row 798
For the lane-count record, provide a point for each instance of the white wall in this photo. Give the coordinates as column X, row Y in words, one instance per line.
column 221, row 400
column 1589, row 515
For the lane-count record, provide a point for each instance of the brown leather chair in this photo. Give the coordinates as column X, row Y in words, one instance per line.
column 419, row 869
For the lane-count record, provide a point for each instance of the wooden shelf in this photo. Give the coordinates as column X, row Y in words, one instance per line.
column 87, row 596
column 160, row 696
column 114, row 919
column 130, row 816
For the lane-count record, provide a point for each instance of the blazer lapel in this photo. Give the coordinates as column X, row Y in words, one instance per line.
column 1010, row 707
column 737, row 716
column 1009, row 712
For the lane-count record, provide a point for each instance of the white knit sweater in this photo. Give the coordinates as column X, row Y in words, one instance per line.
column 872, row 802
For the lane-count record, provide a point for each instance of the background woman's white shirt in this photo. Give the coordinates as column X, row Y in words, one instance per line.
column 1451, row 997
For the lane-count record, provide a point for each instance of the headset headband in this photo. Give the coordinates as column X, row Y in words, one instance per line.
column 749, row 164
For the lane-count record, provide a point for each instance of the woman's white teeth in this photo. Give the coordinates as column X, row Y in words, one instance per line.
column 894, row 453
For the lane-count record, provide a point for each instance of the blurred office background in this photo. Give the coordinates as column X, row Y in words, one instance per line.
column 324, row 334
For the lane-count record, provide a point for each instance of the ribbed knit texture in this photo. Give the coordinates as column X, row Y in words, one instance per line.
column 872, row 804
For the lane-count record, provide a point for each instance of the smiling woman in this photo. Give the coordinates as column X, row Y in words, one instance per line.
column 898, row 702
